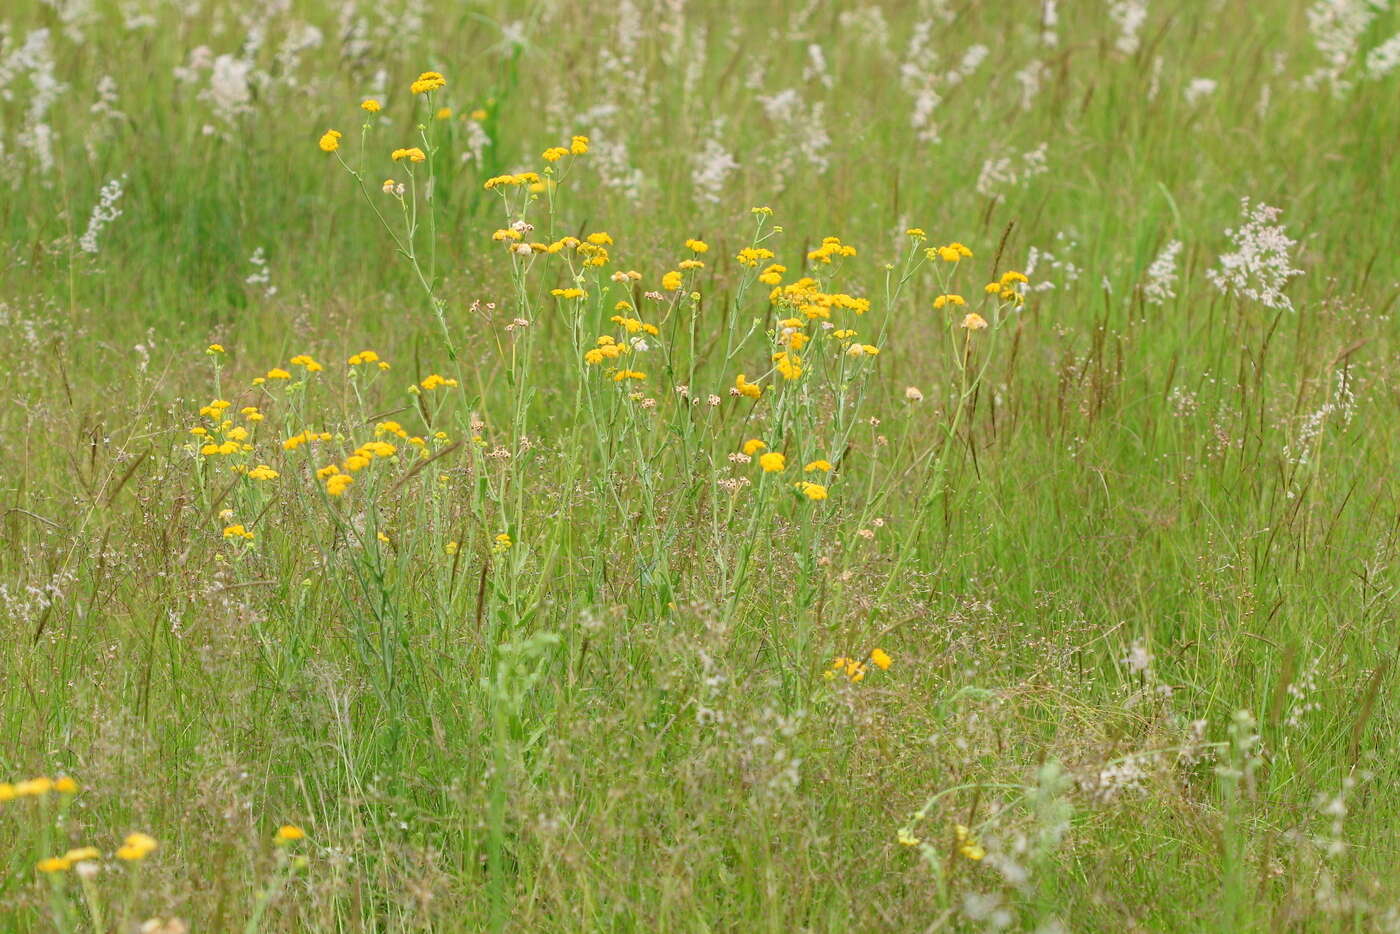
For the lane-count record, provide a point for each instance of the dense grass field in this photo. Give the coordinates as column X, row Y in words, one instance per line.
column 664, row 465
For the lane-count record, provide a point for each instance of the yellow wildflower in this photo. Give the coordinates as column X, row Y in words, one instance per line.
column 746, row 388
column 813, row 491
column 974, row 321
column 822, row 465
column 330, row 141
column 288, row 833
column 428, row 81
column 753, row 446
column 967, row 843
column 137, row 846
column 772, row 462
column 370, row 105
column 413, row 154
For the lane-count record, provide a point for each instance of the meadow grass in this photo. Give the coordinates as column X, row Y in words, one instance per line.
column 1084, row 620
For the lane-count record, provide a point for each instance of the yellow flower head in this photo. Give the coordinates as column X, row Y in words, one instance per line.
column 554, row 153
column 55, row 864
column 753, row 446
column 671, row 281
column 288, row 833
column 412, row 155
column 949, row 299
column 370, row 105
column 137, row 846
column 444, row 113
column 772, row 462
column 330, row 141
column 974, row 322
column 813, row 491
column 746, row 388
column 823, row 465
column 428, row 81
column 697, row 246
column 967, row 843
column 578, row 145
column 881, row 659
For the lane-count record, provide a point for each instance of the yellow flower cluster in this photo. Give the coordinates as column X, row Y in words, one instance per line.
column 633, row 325
column 288, row 833
column 237, row 531
column 1006, row 288
column 330, row 141
column 520, row 178
column 753, row 255
column 968, row 846
column 855, row 669
column 577, row 147
column 68, row 860
column 412, row 154
column 338, row 476
column 366, row 357
column 435, row 381
column 606, row 348
column 951, row 253
column 811, row 301
column 831, row 246
column 37, row 788
column 137, row 846
column 222, row 437
column 789, row 365
column 746, row 388
column 772, row 274
column 303, row 437
column 428, row 81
